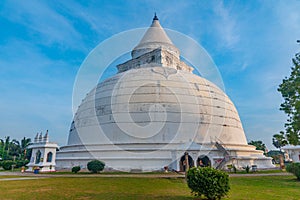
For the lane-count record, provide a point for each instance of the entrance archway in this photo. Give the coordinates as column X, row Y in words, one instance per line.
column 49, row 157
column 38, row 157
column 182, row 162
column 203, row 161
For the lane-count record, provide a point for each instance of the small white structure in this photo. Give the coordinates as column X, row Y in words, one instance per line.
column 291, row 153
column 43, row 154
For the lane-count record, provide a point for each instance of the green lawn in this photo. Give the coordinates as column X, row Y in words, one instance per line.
column 267, row 187
column 9, row 176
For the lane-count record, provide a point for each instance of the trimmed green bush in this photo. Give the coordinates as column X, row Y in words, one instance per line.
column 76, row 169
column 208, row 182
column 95, row 166
column 7, row 164
column 294, row 168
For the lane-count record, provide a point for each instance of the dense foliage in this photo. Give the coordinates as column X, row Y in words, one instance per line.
column 7, row 164
column 259, row 145
column 14, row 149
column 208, row 182
column 95, row 166
column 295, row 169
column 21, row 163
column 14, row 152
column 76, row 169
column 290, row 91
column 275, row 155
column 279, row 140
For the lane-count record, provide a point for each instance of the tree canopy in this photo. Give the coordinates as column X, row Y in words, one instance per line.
column 259, row 145
column 14, row 148
column 290, row 90
column 279, row 140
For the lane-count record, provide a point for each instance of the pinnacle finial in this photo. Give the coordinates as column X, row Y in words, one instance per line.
column 155, row 17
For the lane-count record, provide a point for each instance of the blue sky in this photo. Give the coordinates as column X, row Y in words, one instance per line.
column 43, row 44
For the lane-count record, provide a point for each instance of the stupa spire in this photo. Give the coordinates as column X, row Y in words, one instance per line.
column 154, row 38
column 155, row 17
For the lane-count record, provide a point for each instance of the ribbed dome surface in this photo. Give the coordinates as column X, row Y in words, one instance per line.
column 156, row 105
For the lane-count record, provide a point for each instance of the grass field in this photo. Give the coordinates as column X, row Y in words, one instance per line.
column 262, row 187
column 1, row 177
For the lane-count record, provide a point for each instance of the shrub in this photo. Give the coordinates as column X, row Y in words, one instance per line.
column 76, row 169
column 21, row 163
column 234, row 169
column 95, row 166
column 209, row 182
column 247, row 168
column 7, row 164
column 229, row 167
column 294, row 168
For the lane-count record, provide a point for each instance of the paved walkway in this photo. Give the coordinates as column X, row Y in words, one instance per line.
column 19, row 178
column 170, row 175
column 258, row 174
column 26, row 176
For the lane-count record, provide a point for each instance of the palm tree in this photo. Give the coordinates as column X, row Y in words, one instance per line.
column 15, row 149
column 25, row 142
column 2, row 148
column 6, row 145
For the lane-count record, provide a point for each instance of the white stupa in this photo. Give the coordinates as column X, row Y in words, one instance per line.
column 152, row 112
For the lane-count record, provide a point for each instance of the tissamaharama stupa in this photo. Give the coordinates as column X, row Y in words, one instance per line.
column 155, row 113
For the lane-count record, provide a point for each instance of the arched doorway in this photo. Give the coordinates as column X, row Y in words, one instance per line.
column 182, row 162
column 203, row 161
column 38, row 157
column 49, row 157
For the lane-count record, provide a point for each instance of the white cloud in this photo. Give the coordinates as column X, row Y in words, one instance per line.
column 44, row 22
column 226, row 25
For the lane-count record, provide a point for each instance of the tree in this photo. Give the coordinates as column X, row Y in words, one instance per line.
column 259, row 145
column 25, row 142
column 6, row 148
column 15, row 148
column 290, row 90
column 275, row 154
column 2, row 149
column 279, row 140
column 11, row 149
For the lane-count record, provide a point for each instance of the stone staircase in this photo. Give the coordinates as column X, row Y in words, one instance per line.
column 220, row 146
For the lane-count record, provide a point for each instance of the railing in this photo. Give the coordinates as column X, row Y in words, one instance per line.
column 220, row 146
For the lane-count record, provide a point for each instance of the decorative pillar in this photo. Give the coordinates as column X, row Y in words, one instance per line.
column 186, row 154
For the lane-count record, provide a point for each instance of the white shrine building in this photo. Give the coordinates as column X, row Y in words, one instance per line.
column 291, row 153
column 43, row 154
column 152, row 112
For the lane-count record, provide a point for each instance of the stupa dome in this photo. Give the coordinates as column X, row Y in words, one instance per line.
column 153, row 112
column 157, row 104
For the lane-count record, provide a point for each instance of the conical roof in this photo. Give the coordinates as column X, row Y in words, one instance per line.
column 155, row 37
